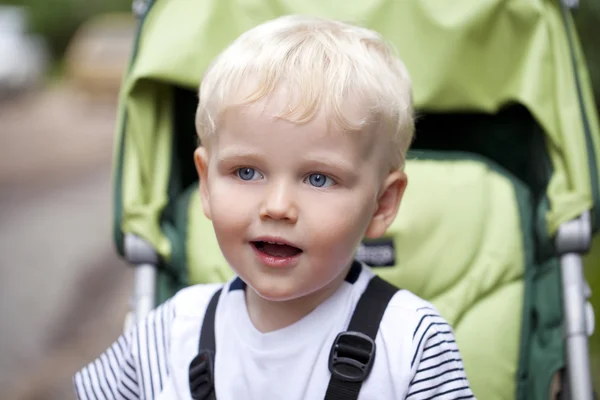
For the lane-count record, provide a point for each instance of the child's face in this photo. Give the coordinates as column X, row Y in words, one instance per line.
column 313, row 193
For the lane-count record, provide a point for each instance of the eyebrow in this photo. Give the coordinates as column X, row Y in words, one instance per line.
column 328, row 161
column 239, row 153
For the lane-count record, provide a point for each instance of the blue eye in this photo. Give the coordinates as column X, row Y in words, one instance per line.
column 247, row 174
column 320, row 180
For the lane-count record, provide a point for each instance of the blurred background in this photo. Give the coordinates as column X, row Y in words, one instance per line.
column 63, row 291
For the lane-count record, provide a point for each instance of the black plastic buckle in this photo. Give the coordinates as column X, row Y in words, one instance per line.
column 201, row 374
column 351, row 357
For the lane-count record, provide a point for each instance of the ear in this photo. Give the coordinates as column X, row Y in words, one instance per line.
column 388, row 203
column 201, row 161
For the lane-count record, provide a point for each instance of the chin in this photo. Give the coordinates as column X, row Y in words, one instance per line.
column 276, row 293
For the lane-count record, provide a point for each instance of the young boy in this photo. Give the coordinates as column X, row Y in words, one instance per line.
column 304, row 125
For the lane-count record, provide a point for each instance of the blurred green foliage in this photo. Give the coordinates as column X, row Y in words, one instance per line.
column 592, row 272
column 587, row 20
column 57, row 20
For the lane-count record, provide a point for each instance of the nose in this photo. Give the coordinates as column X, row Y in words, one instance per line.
column 279, row 204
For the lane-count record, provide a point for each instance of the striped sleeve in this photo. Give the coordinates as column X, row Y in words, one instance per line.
column 436, row 363
column 133, row 367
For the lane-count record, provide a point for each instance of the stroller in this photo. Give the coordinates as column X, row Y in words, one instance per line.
column 504, row 192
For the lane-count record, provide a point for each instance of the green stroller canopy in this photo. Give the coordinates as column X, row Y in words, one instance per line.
column 468, row 56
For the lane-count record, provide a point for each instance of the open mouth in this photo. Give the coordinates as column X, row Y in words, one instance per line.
column 274, row 249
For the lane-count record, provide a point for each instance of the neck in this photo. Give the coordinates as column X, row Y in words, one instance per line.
column 268, row 316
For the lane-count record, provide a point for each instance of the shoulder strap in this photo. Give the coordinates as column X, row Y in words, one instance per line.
column 201, row 373
column 350, row 361
column 207, row 335
column 353, row 351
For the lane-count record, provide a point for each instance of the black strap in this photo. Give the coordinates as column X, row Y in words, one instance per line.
column 207, row 335
column 350, row 361
column 353, row 352
column 201, row 373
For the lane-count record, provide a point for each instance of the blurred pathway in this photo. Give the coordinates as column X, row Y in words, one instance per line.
column 63, row 292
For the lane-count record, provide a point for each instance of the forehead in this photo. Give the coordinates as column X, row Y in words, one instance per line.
column 285, row 142
column 281, row 114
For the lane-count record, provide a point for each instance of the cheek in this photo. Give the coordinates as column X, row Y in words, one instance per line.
column 231, row 211
column 338, row 225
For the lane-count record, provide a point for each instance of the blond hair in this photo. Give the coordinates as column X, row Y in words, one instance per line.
column 324, row 64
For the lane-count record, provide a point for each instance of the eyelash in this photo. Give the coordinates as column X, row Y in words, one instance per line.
column 237, row 171
column 332, row 180
column 327, row 177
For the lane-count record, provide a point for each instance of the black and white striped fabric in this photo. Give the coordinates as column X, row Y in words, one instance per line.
column 135, row 366
column 417, row 356
column 436, row 361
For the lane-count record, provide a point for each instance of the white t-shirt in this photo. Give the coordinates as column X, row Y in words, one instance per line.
column 416, row 358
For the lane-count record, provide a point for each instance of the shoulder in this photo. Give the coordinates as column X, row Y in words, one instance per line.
column 434, row 359
column 191, row 302
column 412, row 311
column 429, row 353
column 422, row 324
column 407, row 316
column 421, row 315
column 406, row 301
